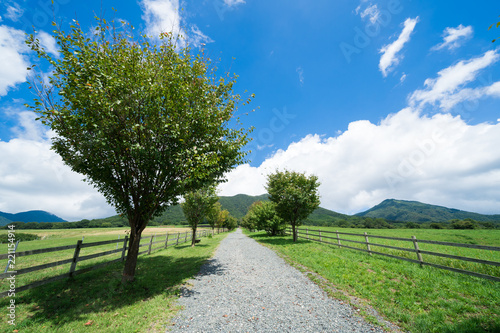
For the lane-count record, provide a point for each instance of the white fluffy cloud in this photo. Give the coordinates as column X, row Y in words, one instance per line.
column 448, row 89
column 390, row 52
column 12, row 57
column 300, row 72
column 198, row 38
column 34, row 177
column 231, row 3
column 14, row 12
column 371, row 12
column 454, row 37
column 439, row 160
column 164, row 16
column 48, row 42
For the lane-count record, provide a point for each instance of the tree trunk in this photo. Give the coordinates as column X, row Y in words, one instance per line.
column 131, row 262
column 294, row 232
column 193, row 240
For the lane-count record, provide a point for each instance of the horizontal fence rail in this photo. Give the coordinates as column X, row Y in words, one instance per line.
column 337, row 238
column 168, row 239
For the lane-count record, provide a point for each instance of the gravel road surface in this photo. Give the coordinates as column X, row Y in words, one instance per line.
column 246, row 287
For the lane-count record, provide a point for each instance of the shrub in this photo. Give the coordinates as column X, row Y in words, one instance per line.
column 19, row 237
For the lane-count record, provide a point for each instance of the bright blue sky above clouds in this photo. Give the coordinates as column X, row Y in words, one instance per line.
column 379, row 98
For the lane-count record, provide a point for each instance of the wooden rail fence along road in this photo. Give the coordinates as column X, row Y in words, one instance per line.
column 167, row 240
column 364, row 244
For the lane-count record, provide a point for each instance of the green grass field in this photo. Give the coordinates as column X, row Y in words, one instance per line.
column 476, row 237
column 96, row 300
column 418, row 299
column 62, row 237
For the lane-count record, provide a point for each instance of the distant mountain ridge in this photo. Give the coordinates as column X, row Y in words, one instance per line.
column 29, row 216
column 414, row 211
column 390, row 210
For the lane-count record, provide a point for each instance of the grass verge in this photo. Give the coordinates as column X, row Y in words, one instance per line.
column 418, row 299
column 96, row 301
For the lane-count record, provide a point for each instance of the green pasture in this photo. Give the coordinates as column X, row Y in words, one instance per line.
column 476, row 237
column 62, row 237
column 96, row 301
column 418, row 299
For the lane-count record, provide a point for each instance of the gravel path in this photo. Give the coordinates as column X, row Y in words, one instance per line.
column 246, row 287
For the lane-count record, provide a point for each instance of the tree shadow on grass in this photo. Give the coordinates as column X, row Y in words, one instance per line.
column 101, row 291
column 275, row 240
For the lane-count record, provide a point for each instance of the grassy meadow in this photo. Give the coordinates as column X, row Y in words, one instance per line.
column 62, row 237
column 417, row 299
column 476, row 237
column 96, row 300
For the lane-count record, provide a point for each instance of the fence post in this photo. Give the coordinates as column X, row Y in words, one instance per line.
column 75, row 257
column 368, row 244
column 166, row 241
column 307, row 233
column 320, row 236
column 150, row 244
column 417, row 250
column 186, row 238
column 338, row 239
column 124, row 247
column 178, row 234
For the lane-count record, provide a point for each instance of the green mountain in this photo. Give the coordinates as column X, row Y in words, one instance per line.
column 390, row 210
column 414, row 211
column 4, row 221
column 322, row 216
column 29, row 216
column 236, row 205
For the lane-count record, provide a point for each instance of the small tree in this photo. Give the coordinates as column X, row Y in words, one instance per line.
column 231, row 223
column 213, row 215
column 196, row 206
column 264, row 217
column 223, row 216
column 144, row 122
column 248, row 222
column 295, row 196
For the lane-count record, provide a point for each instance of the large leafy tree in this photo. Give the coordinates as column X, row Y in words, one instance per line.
column 197, row 205
column 295, row 196
column 144, row 121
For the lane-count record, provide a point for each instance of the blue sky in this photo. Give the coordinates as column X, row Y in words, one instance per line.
column 379, row 99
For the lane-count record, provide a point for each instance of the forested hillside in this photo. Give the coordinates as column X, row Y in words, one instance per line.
column 414, row 211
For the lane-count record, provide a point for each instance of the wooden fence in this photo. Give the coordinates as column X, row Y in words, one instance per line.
column 169, row 239
column 318, row 235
